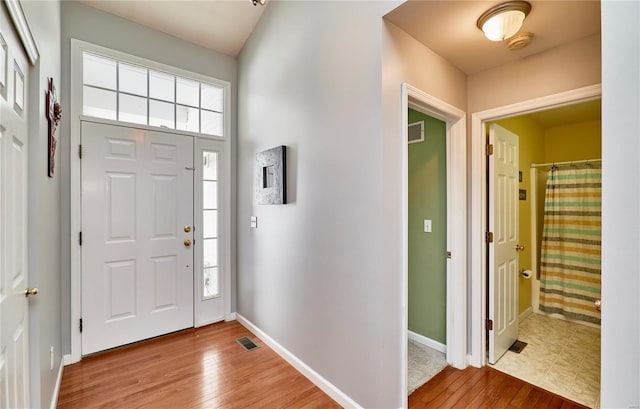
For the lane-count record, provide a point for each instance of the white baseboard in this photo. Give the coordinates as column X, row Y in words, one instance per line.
column 421, row 339
column 56, row 389
column 230, row 317
column 327, row 387
column 66, row 360
column 525, row 314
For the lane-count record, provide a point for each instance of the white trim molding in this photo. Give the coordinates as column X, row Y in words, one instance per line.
column 478, row 204
column 22, row 28
column 327, row 387
column 56, row 388
column 455, row 119
column 428, row 342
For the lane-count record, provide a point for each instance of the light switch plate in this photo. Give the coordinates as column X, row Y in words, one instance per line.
column 427, row 226
column 254, row 222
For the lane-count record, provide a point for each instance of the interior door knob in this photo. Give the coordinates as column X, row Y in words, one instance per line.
column 30, row 291
column 519, row 247
column 598, row 304
column 187, row 229
column 187, row 243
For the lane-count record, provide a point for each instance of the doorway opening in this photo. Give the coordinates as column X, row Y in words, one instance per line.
column 455, row 221
column 557, row 267
column 160, row 140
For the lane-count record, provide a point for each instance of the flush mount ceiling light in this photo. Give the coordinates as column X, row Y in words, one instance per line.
column 256, row 2
column 504, row 20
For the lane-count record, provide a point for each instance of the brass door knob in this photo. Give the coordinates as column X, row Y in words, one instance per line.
column 187, row 243
column 30, row 291
column 519, row 247
column 598, row 304
column 187, row 229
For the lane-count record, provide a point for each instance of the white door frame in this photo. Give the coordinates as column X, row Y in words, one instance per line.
column 75, row 203
column 478, row 294
column 456, row 344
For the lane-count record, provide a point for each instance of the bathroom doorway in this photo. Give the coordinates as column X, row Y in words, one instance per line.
column 558, row 279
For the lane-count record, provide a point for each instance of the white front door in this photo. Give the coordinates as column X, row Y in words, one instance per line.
column 503, row 253
column 14, row 376
column 137, row 234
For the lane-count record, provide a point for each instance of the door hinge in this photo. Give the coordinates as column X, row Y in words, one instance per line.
column 80, row 151
column 80, row 326
column 489, row 149
column 489, row 237
column 489, row 325
column 80, row 238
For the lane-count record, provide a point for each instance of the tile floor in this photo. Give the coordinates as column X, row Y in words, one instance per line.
column 561, row 356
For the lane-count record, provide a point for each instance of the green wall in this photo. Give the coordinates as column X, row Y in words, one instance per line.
column 427, row 251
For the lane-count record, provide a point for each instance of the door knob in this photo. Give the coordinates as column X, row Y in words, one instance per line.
column 519, row 247
column 187, row 243
column 598, row 304
column 30, row 291
column 187, row 229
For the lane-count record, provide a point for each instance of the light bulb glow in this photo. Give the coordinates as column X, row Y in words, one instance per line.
column 504, row 25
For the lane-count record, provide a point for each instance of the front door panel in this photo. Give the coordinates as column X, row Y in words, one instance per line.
column 137, row 268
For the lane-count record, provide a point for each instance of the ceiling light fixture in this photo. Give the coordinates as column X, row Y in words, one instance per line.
column 256, row 2
column 504, row 20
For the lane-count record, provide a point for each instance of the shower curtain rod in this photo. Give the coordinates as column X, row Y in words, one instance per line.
column 571, row 162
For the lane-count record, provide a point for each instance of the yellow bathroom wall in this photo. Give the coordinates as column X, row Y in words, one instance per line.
column 577, row 141
column 532, row 150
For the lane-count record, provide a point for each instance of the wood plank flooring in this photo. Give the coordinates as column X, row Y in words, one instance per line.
column 197, row 368
column 483, row 388
column 206, row 368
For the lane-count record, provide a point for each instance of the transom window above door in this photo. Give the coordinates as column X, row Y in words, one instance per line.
column 118, row 90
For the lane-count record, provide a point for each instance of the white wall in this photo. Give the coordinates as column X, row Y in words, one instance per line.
column 620, row 204
column 559, row 69
column 94, row 26
column 44, row 208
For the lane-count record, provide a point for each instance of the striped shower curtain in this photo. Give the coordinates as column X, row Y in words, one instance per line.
column 570, row 256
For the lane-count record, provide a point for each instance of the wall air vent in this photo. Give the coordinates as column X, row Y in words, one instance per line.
column 416, row 132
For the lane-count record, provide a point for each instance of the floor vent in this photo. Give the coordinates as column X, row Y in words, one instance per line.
column 247, row 343
column 517, row 346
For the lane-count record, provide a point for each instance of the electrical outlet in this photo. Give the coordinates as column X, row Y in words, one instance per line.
column 254, row 222
column 427, row 226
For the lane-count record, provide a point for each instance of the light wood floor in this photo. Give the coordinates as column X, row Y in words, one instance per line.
column 198, row 368
column 483, row 388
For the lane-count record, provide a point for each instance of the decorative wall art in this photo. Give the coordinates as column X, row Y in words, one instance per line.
column 54, row 114
column 270, row 176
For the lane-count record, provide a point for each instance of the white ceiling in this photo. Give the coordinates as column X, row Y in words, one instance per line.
column 220, row 25
column 449, row 29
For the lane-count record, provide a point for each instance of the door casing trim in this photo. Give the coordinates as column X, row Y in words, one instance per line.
column 478, row 202
column 455, row 119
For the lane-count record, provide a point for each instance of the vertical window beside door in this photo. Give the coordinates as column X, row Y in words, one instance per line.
column 210, row 214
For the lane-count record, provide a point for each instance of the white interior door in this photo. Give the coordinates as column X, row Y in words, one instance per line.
column 14, row 377
column 137, row 234
column 503, row 252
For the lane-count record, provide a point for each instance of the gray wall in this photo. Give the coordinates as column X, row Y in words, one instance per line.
column 620, row 204
column 312, row 274
column 44, row 209
column 94, row 26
